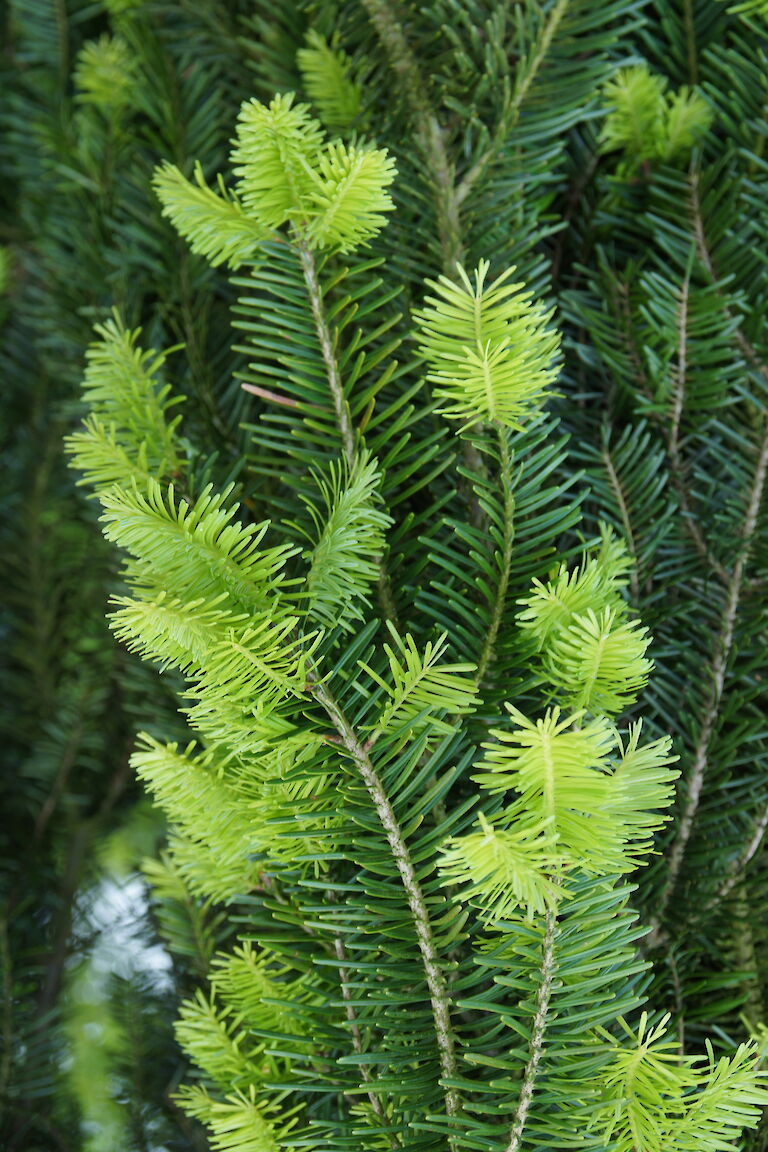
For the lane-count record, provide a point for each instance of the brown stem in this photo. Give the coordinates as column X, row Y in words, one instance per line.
column 268, row 394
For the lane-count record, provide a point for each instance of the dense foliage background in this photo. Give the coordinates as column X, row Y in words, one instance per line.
column 633, row 202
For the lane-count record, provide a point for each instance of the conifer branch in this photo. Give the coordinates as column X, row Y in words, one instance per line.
column 436, row 982
column 430, row 137
column 618, row 492
column 340, row 402
column 511, row 113
column 429, row 133
column 737, row 867
column 702, row 248
column 677, row 465
column 489, row 647
column 734, row 588
column 717, row 671
column 536, row 1046
column 357, row 1040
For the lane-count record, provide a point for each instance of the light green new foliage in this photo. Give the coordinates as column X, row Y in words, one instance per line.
column 490, row 351
column 647, row 122
column 421, row 957
column 348, row 543
column 197, row 548
column 214, row 223
column 328, row 81
column 261, row 990
column 221, row 1045
column 130, row 433
column 105, row 73
column 203, row 808
column 236, row 1123
column 332, row 195
column 587, row 659
column 276, row 148
column 506, row 868
column 573, row 803
column 419, row 687
column 589, row 652
column 655, row 1099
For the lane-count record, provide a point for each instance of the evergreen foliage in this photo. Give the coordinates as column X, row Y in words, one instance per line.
column 480, row 483
column 92, row 100
column 365, row 1002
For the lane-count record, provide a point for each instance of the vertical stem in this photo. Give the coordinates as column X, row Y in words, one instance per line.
column 718, row 665
column 340, row 402
column 511, row 114
column 536, row 1046
column 428, row 130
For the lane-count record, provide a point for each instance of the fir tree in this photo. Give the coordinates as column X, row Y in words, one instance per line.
column 436, row 948
column 424, row 528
